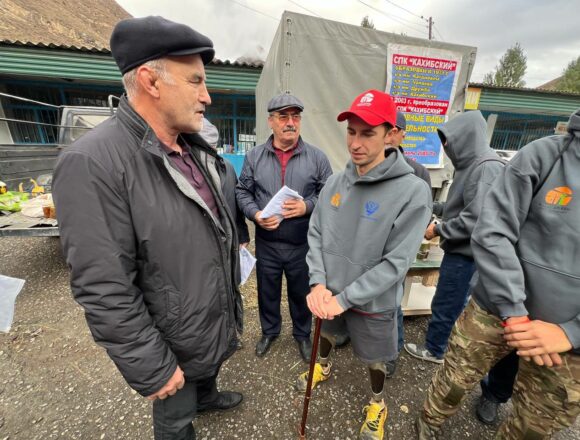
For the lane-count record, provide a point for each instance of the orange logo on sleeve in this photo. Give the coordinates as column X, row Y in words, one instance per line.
column 335, row 200
column 560, row 196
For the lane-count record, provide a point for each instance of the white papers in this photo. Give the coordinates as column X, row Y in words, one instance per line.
column 9, row 289
column 274, row 206
column 247, row 263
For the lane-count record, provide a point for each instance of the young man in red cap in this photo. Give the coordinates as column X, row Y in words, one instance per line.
column 363, row 236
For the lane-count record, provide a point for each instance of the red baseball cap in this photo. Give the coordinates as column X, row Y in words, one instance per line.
column 374, row 107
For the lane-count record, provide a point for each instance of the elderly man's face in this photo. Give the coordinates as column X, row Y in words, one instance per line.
column 285, row 126
column 183, row 96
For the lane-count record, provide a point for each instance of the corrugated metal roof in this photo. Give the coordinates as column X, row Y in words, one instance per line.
column 524, row 89
column 90, row 66
column 40, row 45
column 257, row 64
column 533, row 101
column 58, row 64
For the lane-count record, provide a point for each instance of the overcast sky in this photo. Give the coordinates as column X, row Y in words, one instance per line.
column 547, row 30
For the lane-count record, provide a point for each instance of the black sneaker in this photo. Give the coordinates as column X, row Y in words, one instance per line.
column 487, row 410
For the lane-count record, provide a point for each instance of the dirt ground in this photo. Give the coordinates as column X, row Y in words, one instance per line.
column 55, row 383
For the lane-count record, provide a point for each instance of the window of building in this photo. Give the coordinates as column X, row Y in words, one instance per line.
column 34, row 123
column 514, row 130
column 235, row 118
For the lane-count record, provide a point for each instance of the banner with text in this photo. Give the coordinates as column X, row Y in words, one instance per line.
column 422, row 81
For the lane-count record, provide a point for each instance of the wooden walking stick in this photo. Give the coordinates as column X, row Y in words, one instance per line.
column 317, row 324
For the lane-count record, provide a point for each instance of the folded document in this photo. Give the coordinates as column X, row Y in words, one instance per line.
column 274, row 206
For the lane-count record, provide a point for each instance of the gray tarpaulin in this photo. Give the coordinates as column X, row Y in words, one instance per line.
column 327, row 64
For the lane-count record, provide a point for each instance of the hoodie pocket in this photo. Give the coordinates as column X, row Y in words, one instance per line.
column 551, row 295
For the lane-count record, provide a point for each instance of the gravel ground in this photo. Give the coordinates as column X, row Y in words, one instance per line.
column 55, row 383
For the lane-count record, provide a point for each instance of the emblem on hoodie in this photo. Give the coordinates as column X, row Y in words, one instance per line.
column 370, row 208
column 335, row 200
column 560, row 196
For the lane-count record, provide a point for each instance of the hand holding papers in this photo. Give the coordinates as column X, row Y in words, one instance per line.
column 275, row 205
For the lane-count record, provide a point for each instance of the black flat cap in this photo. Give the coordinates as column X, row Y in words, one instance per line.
column 135, row 41
column 284, row 101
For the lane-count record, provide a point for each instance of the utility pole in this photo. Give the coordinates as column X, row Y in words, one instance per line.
column 430, row 28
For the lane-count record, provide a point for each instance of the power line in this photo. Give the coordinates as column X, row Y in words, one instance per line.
column 308, row 10
column 406, row 10
column 255, row 10
column 391, row 16
column 394, row 18
column 438, row 33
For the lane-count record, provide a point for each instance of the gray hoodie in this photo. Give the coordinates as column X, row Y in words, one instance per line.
column 365, row 232
column 526, row 247
column 467, row 149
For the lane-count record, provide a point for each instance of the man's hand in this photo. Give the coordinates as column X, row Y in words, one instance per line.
column 269, row 224
column 243, row 245
column 539, row 340
column 333, row 308
column 430, row 232
column 171, row 387
column 317, row 299
column 294, row 208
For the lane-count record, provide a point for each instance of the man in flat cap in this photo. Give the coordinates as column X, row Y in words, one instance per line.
column 281, row 243
column 364, row 234
column 147, row 233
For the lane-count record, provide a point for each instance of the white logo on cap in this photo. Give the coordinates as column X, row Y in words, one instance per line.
column 366, row 100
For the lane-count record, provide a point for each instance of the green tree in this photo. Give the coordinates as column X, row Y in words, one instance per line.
column 367, row 22
column 570, row 81
column 511, row 69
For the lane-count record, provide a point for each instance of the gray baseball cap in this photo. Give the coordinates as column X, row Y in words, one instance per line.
column 284, row 101
column 401, row 121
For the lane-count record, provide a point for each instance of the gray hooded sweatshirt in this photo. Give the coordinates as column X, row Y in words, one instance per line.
column 468, row 150
column 365, row 232
column 526, row 247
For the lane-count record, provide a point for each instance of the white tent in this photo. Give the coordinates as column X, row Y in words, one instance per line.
column 327, row 64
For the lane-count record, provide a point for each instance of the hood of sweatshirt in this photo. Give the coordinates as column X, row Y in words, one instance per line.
column 393, row 166
column 574, row 123
column 466, row 137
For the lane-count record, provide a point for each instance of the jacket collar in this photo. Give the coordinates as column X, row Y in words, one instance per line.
column 141, row 130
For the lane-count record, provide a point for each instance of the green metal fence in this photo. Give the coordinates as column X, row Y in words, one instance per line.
column 514, row 130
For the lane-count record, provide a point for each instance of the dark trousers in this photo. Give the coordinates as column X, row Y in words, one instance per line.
column 498, row 385
column 449, row 300
column 173, row 416
column 272, row 263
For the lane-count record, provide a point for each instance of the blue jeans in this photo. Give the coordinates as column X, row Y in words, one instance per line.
column 449, row 301
column 498, row 385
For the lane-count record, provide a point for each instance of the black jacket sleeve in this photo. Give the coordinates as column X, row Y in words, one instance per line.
column 324, row 171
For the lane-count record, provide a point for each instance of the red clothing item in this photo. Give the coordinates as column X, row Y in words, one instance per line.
column 186, row 166
column 284, row 157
